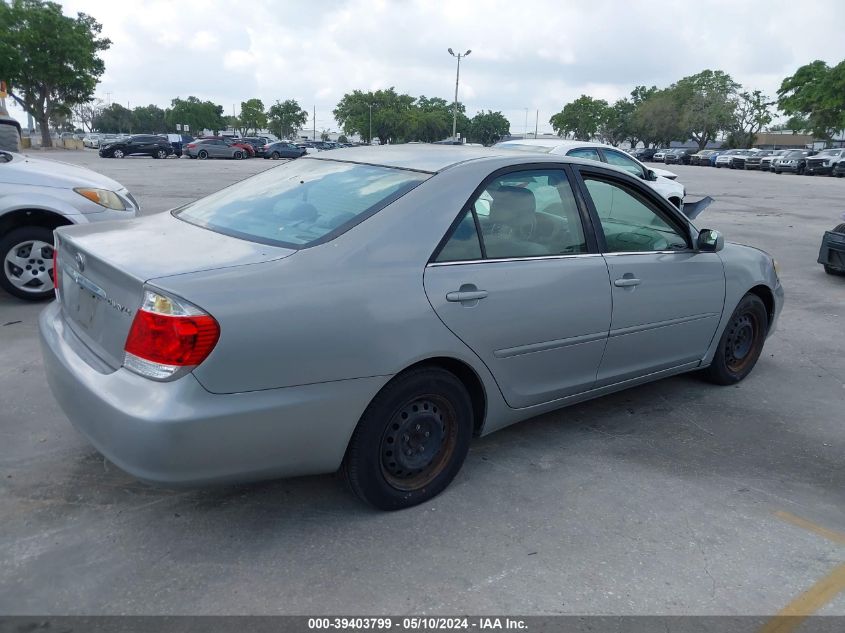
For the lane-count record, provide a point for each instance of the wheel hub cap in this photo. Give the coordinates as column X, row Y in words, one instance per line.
column 29, row 266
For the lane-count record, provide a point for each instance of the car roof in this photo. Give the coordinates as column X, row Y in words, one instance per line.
column 550, row 143
column 418, row 156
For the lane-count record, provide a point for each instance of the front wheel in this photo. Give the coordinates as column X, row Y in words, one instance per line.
column 27, row 257
column 161, row 154
column 275, row 155
column 411, row 441
column 741, row 342
column 238, row 156
column 118, row 153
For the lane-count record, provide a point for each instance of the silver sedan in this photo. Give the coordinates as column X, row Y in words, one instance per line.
column 374, row 310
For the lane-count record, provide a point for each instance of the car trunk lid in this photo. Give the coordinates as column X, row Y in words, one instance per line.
column 103, row 269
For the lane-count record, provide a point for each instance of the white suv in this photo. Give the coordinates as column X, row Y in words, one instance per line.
column 660, row 180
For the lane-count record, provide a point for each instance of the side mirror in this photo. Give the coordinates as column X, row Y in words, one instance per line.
column 710, row 241
column 650, row 175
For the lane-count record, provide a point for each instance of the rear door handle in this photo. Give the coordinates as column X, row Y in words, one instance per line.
column 466, row 295
column 626, row 282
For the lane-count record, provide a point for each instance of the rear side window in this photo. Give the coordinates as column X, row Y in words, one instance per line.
column 302, row 203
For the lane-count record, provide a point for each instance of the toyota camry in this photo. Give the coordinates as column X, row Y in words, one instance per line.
column 373, row 311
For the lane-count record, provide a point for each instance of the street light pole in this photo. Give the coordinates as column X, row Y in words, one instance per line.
column 370, row 137
column 457, row 78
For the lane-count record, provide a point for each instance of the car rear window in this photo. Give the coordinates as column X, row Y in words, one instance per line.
column 302, row 203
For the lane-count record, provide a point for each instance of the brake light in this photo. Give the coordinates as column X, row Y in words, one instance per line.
column 192, row 145
column 168, row 335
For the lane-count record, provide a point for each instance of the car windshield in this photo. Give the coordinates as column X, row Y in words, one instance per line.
column 794, row 154
column 302, row 203
column 830, row 152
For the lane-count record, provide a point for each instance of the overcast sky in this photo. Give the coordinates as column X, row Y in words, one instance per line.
column 525, row 55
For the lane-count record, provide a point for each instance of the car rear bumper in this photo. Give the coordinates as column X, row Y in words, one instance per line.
column 832, row 251
column 177, row 433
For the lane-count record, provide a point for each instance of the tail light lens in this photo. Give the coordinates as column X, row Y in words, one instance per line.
column 168, row 337
column 192, row 145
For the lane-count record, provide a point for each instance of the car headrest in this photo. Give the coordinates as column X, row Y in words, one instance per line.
column 512, row 205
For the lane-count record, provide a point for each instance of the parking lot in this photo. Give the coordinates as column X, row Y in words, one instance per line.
column 677, row 497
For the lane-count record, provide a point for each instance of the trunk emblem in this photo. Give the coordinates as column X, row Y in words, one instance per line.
column 80, row 261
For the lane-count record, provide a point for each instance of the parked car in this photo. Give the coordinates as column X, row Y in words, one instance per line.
column 248, row 151
column 825, row 161
column 282, row 149
column 91, row 140
column 257, row 143
column 643, row 154
column 794, row 161
column 660, row 155
column 178, row 142
column 195, row 382
column 681, row 156
column 700, row 158
column 213, row 148
column 658, row 179
column 832, row 251
column 755, row 160
column 731, row 158
column 839, row 169
column 767, row 162
column 37, row 196
column 137, row 145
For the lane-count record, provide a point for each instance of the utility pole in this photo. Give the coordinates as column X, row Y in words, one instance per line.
column 525, row 128
column 370, row 138
column 536, row 123
column 457, row 78
column 314, row 122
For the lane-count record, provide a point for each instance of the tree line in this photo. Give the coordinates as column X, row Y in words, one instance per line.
column 708, row 106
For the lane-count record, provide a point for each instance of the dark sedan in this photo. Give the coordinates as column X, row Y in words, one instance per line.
column 643, row 154
column 283, row 149
column 679, row 156
column 138, row 145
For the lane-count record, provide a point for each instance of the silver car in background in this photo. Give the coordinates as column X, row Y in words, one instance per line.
column 212, row 148
column 373, row 309
column 37, row 196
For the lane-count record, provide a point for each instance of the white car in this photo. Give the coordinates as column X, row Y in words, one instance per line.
column 660, row 180
column 91, row 140
column 660, row 155
column 37, row 196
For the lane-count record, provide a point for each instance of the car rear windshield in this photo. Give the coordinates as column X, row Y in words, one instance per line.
column 302, row 203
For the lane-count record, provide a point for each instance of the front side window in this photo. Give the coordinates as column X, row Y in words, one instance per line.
column 520, row 214
column 625, row 162
column 629, row 222
column 302, row 202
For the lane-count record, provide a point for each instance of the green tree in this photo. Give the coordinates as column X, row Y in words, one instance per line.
column 342, row 139
column 252, row 116
column 752, row 114
column 324, row 135
column 198, row 115
column 488, row 127
column 580, row 118
column 86, row 112
column 617, row 124
column 816, row 92
column 657, row 120
column 149, row 119
column 432, row 119
column 285, row 118
column 392, row 114
column 706, row 105
column 50, row 61
column 114, row 119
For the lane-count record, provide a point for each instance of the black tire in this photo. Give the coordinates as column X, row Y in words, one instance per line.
column 202, row 154
column 718, row 166
column 160, row 154
column 14, row 238
column 117, row 153
column 834, row 271
column 238, row 155
column 741, row 342
column 800, row 170
column 778, row 172
column 426, row 410
column 839, row 228
column 275, row 155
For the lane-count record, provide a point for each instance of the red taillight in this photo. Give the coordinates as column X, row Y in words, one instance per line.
column 191, row 145
column 168, row 334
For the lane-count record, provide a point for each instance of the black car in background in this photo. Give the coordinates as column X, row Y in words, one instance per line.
column 643, row 154
column 794, row 161
column 138, row 145
column 839, row 169
column 679, row 156
column 282, row 149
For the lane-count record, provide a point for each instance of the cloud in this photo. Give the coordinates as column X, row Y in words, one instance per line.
column 534, row 55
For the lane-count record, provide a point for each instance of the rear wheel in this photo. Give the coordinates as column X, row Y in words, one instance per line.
column 202, row 155
column 275, row 155
column 238, row 155
column 27, row 257
column 161, row 154
column 411, row 441
column 741, row 342
column 830, row 270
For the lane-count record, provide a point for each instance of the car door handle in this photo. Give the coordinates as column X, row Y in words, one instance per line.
column 626, row 282
column 466, row 295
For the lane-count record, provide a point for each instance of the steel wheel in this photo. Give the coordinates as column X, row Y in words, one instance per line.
column 28, row 263
column 419, row 440
column 743, row 332
column 741, row 343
